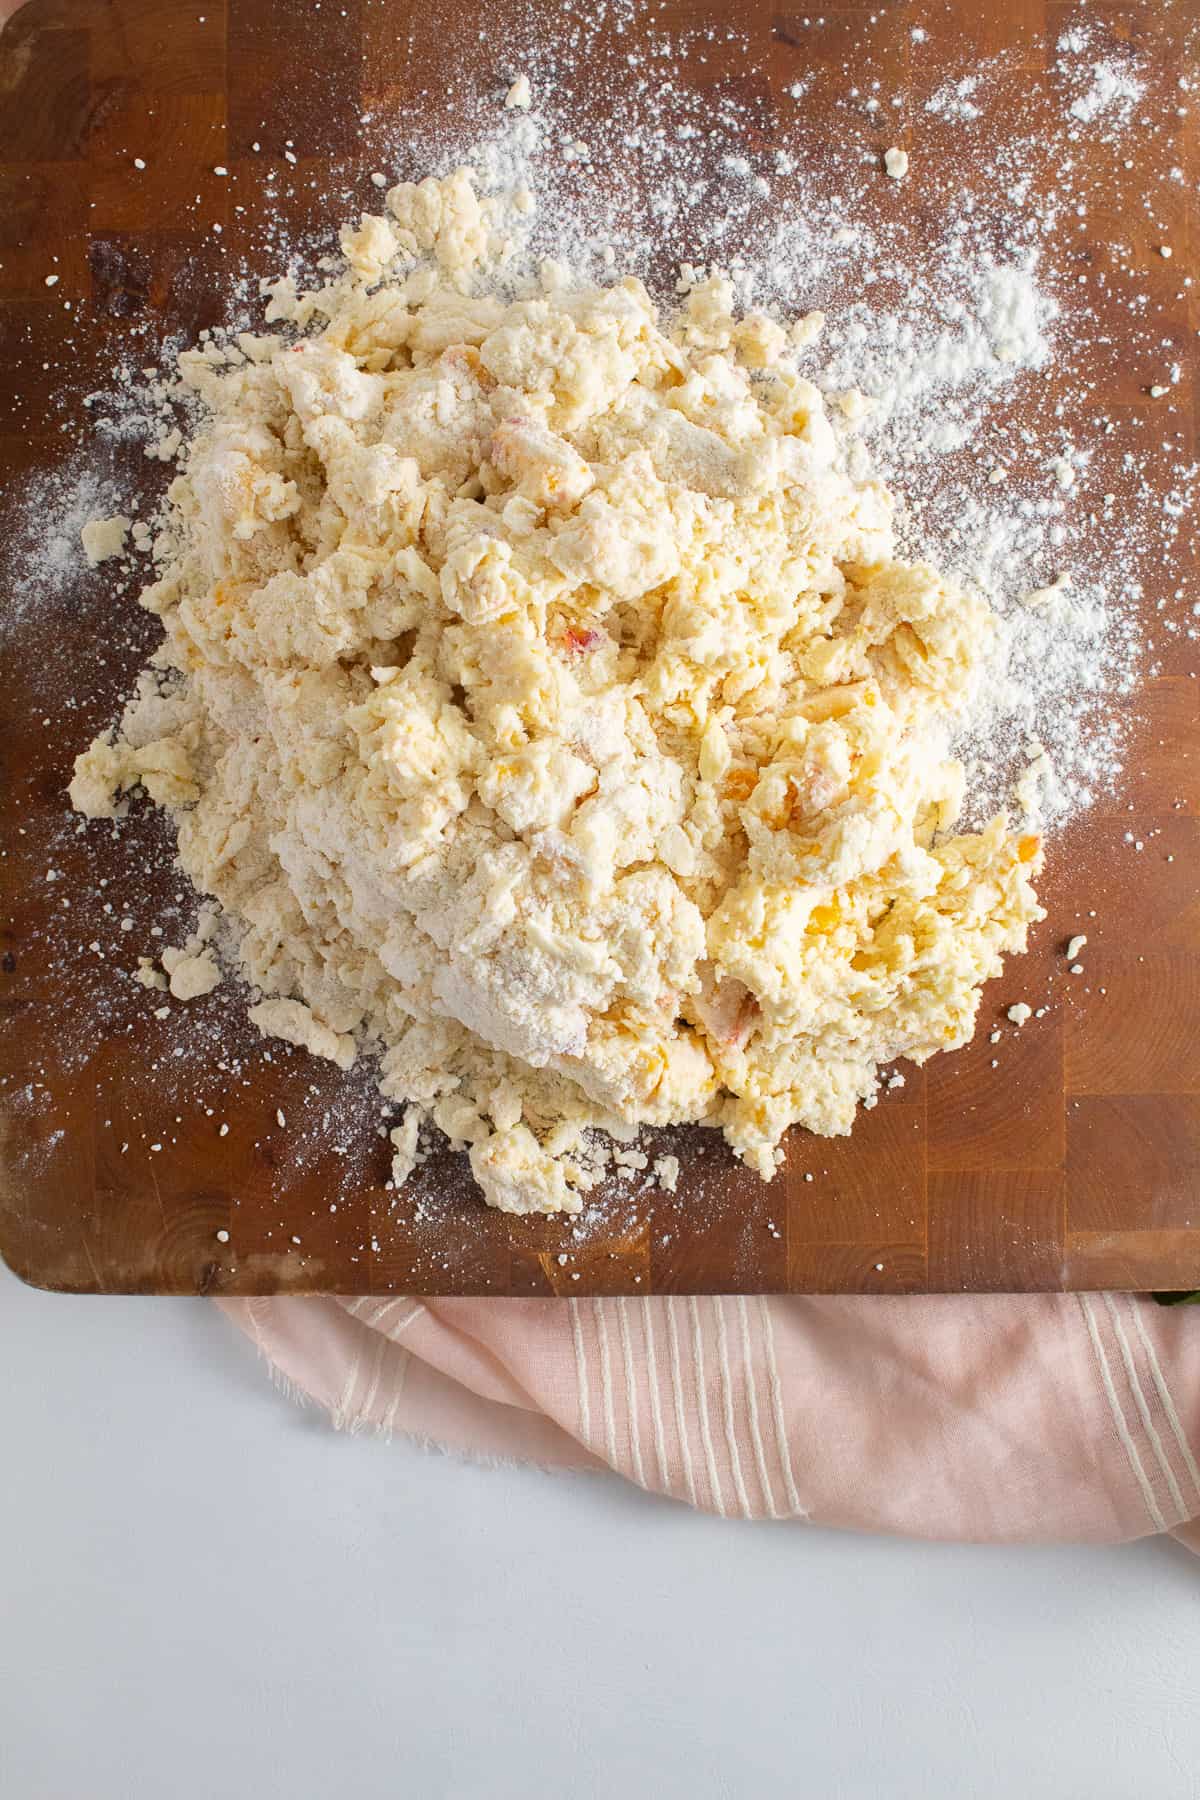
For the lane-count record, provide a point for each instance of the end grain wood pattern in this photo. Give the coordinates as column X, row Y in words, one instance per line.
column 1073, row 1164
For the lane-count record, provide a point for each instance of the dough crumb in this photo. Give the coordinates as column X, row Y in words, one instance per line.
column 193, row 970
column 854, row 405
column 104, row 538
column 148, row 975
column 404, row 1145
column 895, row 161
column 191, row 974
column 666, row 1173
column 519, row 95
column 1020, row 1012
column 296, row 1024
column 1076, row 945
column 807, row 330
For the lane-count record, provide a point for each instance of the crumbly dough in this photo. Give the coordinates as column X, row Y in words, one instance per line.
column 546, row 709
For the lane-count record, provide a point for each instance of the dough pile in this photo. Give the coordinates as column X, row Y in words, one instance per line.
column 542, row 703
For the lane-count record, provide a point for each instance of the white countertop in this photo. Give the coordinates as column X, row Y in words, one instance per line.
column 206, row 1591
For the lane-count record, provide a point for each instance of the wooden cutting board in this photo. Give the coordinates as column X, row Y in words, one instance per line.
column 1074, row 1163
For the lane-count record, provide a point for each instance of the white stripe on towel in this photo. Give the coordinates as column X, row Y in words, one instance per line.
column 685, row 1449
column 760, row 1454
column 1164, row 1394
column 718, row 1305
column 631, row 1399
column 581, row 1375
column 1114, row 1407
column 660, row 1443
column 776, row 1392
column 1160, row 1454
column 714, row 1480
column 606, row 1386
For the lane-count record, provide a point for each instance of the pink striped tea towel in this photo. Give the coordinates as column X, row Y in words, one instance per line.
column 1004, row 1418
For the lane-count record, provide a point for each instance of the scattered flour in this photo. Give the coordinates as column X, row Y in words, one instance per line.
column 953, row 100
column 44, row 553
column 1112, row 91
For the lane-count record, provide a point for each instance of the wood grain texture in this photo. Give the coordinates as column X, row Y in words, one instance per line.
column 1074, row 1161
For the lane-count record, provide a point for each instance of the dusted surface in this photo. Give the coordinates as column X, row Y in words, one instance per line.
column 1067, row 1165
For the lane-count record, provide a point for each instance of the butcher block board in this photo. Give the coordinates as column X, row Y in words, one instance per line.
column 1073, row 1163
